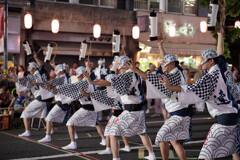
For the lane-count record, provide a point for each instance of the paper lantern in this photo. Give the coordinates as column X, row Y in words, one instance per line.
column 203, row 26
column 135, row 32
column 28, row 21
column 55, row 26
column 96, row 31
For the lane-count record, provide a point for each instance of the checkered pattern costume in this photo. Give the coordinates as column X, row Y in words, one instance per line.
column 174, row 79
column 73, row 90
column 205, row 86
column 26, row 81
column 101, row 101
column 54, row 82
column 122, row 83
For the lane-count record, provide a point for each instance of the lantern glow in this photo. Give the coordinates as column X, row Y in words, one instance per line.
column 135, row 32
column 55, row 26
column 203, row 26
column 28, row 21
column 96, row 31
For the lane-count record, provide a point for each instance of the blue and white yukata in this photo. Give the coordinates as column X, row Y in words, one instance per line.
column 212, row 89
column 85, row 116
column 38, row 107
column 131, row 121
column 176, row 127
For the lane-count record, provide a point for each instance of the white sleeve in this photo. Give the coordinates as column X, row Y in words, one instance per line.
column 188, row 97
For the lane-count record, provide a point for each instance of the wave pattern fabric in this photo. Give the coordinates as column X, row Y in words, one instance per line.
column 127, row 124
column 35, row 109
column 56, row 114
column 82, row 118
column 175, row 128
column 220, row 142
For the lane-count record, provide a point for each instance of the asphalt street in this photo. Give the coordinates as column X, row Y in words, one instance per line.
column 14, row 147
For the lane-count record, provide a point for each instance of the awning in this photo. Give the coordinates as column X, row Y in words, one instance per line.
column 179, row 49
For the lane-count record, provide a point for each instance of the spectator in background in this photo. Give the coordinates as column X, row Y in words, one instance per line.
column 185, row 71
column 137, row 64
column 73, row 69
column 20, row 71
column 235, row 73
column 21, row 91
column 12, row 73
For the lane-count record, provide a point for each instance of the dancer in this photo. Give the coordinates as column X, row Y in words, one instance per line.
column 38, row 107
column 131, row 121
column 58, row 112
column 213, row 89
column 85, row 116
column 176, row 127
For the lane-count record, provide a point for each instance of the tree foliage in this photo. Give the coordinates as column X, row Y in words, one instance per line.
column 232, row 12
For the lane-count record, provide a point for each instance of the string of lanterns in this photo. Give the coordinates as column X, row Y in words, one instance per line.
column 55, row 25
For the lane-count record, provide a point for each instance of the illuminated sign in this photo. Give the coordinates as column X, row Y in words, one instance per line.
column 186, row 29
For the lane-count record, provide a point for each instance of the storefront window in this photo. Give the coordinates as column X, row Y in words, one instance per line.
column 141, row 4
column 109, row 3
column 182, row 6
column 90, row 2
column 154, row 5
column 175, row 6
column 190, row 6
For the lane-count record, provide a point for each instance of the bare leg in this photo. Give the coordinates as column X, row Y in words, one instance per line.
column 100, row 131
column 71, row 132
column 179, row 150
column 147, row 143
column 114, row 146
column 49, row 126
column 26, row 124
column 235, row 156
column 125, row 141
column 108, row 142
column 164, row 149
column 73, row 143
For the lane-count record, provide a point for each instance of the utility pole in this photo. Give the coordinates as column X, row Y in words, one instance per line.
column 5, row 43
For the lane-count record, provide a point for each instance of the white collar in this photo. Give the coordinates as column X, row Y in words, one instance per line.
column 213, row 68
column 174, row 70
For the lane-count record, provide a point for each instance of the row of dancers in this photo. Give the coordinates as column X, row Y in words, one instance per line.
column 121, row 90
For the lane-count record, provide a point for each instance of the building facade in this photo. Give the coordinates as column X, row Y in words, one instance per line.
column 77, row 18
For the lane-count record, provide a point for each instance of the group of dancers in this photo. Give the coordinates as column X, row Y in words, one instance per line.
column 121, row 91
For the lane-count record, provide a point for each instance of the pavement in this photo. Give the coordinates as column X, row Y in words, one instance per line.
column 14, row 147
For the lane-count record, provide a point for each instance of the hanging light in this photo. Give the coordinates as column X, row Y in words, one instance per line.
column 96, row 31
column 203, row 26
column 172, row 31
column 135, row 32
column 28, row 21
column 55, row 26
column 237, row 24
